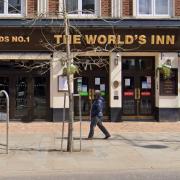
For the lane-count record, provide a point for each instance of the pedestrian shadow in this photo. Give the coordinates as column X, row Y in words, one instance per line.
column 84, row 138
column 35, row 149
column 134, row 142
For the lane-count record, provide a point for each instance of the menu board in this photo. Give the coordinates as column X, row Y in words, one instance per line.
column 168, row 87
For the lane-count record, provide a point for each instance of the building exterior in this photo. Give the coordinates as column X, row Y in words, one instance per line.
column 130, row 40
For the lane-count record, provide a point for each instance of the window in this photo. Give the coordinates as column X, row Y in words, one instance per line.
column 82, row 6
column 154, row 7
column 11, row 7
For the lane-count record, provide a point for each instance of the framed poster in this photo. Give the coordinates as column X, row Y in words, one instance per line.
column 62, row 83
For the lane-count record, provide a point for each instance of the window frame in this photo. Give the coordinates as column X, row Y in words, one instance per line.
column 153, row 13
column 6, row 14
column 80, row 13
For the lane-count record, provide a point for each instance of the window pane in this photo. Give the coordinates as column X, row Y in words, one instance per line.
column 88, row 6
column 72, row 6
column 1, row 7
column 145, row 6
column 161, row 7
column 14, row 6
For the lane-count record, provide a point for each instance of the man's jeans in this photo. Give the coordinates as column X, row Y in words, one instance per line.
column 97, row 121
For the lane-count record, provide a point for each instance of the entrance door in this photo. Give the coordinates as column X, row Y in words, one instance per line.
column 31, row 97
column 138, row 92
column 85, row 84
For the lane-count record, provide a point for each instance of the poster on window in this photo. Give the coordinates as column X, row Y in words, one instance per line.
column 62, row 83
column 148, row 82
column 127, row 82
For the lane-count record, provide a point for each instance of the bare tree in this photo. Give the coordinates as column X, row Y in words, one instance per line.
column 69, row 80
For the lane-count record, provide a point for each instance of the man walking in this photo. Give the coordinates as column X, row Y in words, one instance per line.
column 97, row 116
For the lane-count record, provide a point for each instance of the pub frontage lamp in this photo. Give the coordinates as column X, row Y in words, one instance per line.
column 63, row 62
column 116, row 60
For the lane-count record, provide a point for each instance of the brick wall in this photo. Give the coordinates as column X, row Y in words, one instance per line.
column 127, row 9
column 177, row 7
column 31, row 7
column 106, row 8
column 53, row 7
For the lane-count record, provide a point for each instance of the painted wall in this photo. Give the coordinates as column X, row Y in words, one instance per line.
column 169, row 101
column 115, row 75
column 56, row 97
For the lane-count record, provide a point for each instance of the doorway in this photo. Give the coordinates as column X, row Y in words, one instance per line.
column 138, row 88
column 86, row 82
column 28, row 93
column 30, row 98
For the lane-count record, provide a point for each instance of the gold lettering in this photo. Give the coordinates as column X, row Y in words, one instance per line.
column 119, row 41
column 170, row 39
column 58, row 38
column 90, row 39
column 112, row 39
column 142, row 39
column 102, row 39
column 160, row 39
column 129, row 39
column 77, row 39
column 4, row 38
column 67, row 38
column 153, row 39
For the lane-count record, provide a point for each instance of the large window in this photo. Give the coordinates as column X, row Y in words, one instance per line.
column 154, row 7
column 82, row 6
column 11, row 7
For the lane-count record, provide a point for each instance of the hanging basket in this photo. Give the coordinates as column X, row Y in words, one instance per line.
column 165, row 71
column 72, row 70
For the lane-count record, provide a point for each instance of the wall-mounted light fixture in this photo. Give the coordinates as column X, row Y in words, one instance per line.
column 62, row 62
column 116, row 60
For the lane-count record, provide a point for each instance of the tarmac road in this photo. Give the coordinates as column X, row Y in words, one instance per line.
column 162, row 174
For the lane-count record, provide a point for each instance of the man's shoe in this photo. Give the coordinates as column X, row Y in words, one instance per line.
column 89, row 138
column 108, row 136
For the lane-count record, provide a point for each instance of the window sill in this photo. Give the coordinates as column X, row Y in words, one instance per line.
column 152, row 17
column 4, row 16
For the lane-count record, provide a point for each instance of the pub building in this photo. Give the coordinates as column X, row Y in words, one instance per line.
column 130, row 80
column 132, row 52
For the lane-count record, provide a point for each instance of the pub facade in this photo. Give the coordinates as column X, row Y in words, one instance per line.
column 127, row 50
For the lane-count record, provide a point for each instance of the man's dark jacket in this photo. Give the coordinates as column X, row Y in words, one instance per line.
column 97, row 107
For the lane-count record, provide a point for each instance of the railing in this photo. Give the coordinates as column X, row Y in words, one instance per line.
column 7, row 119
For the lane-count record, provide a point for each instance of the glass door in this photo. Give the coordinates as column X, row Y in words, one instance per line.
column 40, row 103
column 31, row 98
column 22, row 98
column 138, row 91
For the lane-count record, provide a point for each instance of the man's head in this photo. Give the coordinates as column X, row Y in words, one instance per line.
column 97, row 93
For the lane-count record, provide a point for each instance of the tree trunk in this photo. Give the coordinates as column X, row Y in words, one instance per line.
column 69, row 81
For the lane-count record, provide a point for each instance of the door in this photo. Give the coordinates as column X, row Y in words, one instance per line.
column 138, row 93
column 31, row 98
column 22, row 98
column 85, row 84
column 40, row 97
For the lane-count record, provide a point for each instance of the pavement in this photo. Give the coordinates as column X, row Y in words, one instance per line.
column 35, row 148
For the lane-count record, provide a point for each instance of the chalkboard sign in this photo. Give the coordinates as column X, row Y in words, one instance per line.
column 169, row 87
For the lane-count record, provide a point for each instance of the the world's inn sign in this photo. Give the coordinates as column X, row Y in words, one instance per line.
column 43, row 39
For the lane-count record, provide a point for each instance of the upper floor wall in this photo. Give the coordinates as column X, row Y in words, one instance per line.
column 91, row 8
